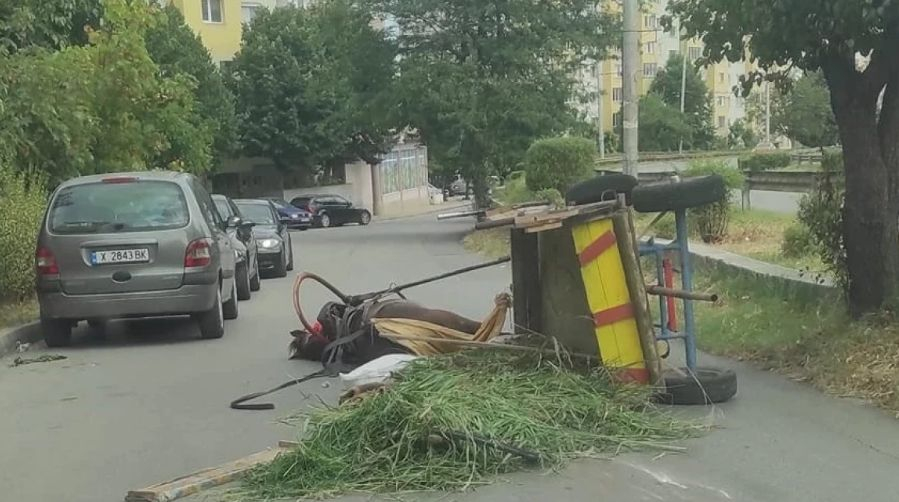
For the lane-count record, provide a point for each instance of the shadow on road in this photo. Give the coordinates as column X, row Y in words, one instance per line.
column 137, row 332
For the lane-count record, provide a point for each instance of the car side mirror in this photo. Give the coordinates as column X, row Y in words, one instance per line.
column 234, row 221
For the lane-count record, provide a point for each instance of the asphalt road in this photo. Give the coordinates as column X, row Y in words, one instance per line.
column 151, row 402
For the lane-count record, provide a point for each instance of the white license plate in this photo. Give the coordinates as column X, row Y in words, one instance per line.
column 120, row 256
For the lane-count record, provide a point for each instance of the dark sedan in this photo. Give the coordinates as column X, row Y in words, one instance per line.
column 332, row 210
column 292, row 216
column 272, row 237
column 243, row 241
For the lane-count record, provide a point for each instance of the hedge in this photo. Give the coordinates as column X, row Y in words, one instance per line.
column 765, row 161
column 22, row 201
column 558, row 163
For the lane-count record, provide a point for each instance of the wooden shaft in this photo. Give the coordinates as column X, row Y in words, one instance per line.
column 480, row 345
column 627, row 247
column 679, row 293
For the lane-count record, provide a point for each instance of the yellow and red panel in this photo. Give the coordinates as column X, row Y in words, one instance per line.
column 609, row 299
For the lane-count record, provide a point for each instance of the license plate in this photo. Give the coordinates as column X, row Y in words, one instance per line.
column 120, row 256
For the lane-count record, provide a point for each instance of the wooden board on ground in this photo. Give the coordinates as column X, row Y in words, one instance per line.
column 206, row 478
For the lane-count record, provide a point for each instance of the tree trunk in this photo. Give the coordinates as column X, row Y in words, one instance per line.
column 870, row 225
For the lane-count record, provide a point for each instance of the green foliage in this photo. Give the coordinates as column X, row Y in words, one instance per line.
column 558, row 162
column 821, row 212
column 697, row 101
column 100, row 107
column 662, row 127
column 22, row 201
column 481, row 80
column 311, row 85
column 805, row 116
column 712, row 220
column 179, row 53
column 47, row 24
column 797, row 242
column 741, row 135
column 758, row 162
column 448, row 422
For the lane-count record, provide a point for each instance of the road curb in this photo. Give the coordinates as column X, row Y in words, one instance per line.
column 26, row 333
column 425, row 213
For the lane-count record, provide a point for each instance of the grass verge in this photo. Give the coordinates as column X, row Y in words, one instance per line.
column 450, row 422
column 16, row 313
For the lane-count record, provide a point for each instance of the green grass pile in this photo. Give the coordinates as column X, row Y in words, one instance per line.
column 439, row 425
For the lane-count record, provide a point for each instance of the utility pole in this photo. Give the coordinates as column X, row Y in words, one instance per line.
column 600, row 126
column 683, row 82
column 768, row 113
column 630, row 55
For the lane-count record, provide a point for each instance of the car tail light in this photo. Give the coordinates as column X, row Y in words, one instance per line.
column 45, row 262
column 199, row 253
column 119, row 179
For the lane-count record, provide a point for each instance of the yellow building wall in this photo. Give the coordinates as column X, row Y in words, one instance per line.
column 221, row 39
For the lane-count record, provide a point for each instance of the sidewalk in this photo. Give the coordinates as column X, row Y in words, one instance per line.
column 418, row 210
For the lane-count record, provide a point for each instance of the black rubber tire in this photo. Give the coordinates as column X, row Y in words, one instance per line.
column 601, row 188
column 280, row 269
column 57, row 332
column 699, row 387
column 364, row 218
column 324, row 220
column 256, row 280
column 243, row 282
column 230, row 310
column 212, row 322
column 684, row 194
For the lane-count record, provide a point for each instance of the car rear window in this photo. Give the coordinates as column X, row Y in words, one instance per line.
column 301, row 201
column 221, row 204
column 135, row 206
column 261, row 214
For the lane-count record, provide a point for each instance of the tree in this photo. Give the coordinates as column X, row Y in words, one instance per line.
column 48, row 24
column 480, row 80
column 179, row 53
column 697, row 100
column 311, row 85
column 854, row 45
column 741, row 136
column 805, row 115
column 662, row 127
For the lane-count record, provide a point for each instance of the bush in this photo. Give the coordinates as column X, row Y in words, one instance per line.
column 711, row 220
column 821, row 212
column 765, row 161
column 22, row 202
column 797, row 242
column 558, row 162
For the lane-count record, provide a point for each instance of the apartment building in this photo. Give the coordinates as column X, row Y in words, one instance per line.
column 219, row 22
column 657, row 45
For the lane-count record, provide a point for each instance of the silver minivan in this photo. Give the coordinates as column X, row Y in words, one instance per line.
column 139, row 244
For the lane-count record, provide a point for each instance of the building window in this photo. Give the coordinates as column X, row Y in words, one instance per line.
column 722, row 121
column 722, row 100
column 616, row 94
column 650, row 47
column 616, row 119
column 651, row 21
column 248, row 12
column 721, row 77
column 650, row 70
column 619, row 69
column 212, row 11
column 695, row 53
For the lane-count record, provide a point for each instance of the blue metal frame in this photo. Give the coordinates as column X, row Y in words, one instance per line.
column 681, row 245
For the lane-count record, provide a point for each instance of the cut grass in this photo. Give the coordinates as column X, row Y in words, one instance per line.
column 16, row 313
column 437, row 426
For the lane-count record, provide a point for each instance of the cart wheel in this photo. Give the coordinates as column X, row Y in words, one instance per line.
column 698, row 387
column 690, row 192
column 601, row 188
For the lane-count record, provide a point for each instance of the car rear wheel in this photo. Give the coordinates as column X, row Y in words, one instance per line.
column 255, row 281
column 364, row 218
column 212, row 322
column 230, row 308
column 280, row 269
column 243, row 282
column 324, row 220
column 57, row 332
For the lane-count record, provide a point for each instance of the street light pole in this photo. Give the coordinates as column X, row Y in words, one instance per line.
column 630, row 66
column 600, row 125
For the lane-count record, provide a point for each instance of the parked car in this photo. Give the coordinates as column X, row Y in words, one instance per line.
column 243, row 240
column 292, row 216
column 137, row 244
column 459, row 186
column 331, row 210
column 272, row 237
